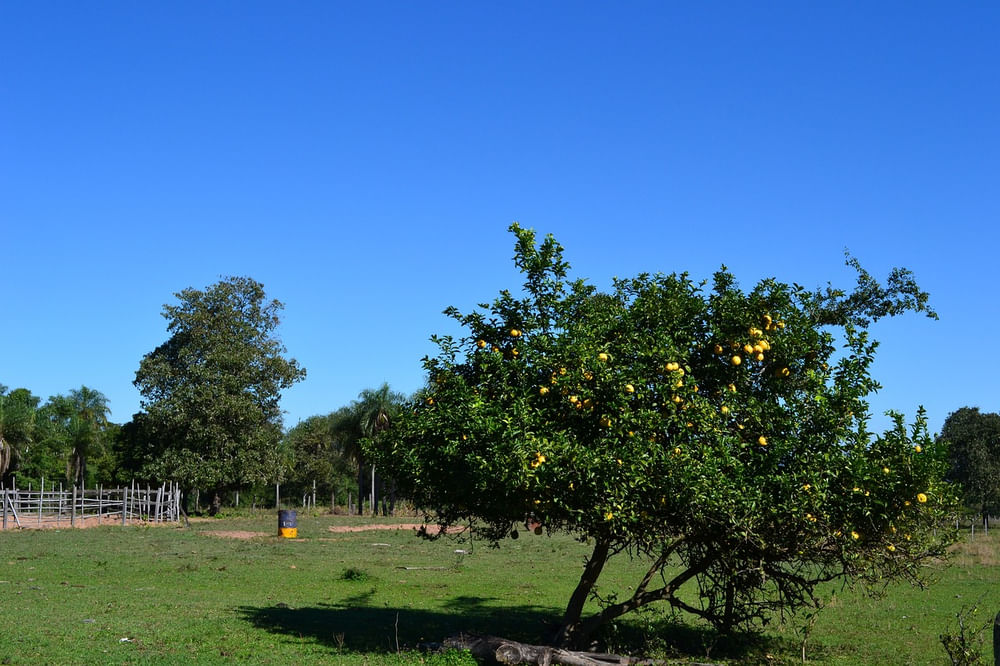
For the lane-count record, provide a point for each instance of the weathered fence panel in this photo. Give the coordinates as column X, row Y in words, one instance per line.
column 53, row 508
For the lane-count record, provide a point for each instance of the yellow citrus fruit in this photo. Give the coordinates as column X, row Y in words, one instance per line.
column 760, row 356
column 855, row 535
column 605, row 422
column 481, row 344
column 676, row 399
column 736, row 360
column 765, row 345
column 718, row 349
column 762, row 440
column 543, row 390
column 629, row 388
column 514, row 353
column 724, row 409
column 922, row 498
column 748, row 348
column 602, row 357
column 731, row 387
column 429, row 401
column 891, row 548
column 917, row 448
column 766, row 318
column 677, row 450
column 514, row 333
column 573, row 399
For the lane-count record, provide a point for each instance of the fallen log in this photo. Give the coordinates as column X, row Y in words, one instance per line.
column 494, row 649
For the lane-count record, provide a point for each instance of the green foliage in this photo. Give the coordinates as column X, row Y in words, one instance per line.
column 59, row 439
column 17, row 425
column 965, row 645
column 315, row 452
column 367, row 418
column 211, row 391
column 355, row 575
column 973, row 440
column 680, row 422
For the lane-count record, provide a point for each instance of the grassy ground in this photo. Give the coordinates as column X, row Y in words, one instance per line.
column 183, row 595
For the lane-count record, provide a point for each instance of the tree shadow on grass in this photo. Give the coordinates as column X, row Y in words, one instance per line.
column 666, row 635
column 352, row 625
column 362, row 628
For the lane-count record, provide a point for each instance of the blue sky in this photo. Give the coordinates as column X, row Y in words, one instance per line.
column 364, row 160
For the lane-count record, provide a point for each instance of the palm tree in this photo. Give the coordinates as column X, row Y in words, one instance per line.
column 17, row 425
column 88, row 417
column 367, row 417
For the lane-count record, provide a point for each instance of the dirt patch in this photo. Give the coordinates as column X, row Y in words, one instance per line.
column 433, row 529
column 236, row 534
column 52, row 522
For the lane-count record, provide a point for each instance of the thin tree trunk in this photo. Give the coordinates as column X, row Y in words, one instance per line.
column 216, row 503
column 567, row 634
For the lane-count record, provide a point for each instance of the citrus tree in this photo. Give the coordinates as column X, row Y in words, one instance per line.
column 719, row 434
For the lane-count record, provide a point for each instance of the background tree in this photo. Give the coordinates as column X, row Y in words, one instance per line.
column 17, row 425
column 211, row 392
column 70, row 429
column 368, row 417
column 973, row 440
column 316, row 454
column 720, row 435
column 88, row 418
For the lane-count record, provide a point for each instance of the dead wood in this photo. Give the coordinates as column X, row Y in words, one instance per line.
column 496, row 650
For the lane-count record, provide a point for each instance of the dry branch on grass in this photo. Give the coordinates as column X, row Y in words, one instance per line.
column 504, row 651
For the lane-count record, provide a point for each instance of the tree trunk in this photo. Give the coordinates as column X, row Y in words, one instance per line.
column 216, row 506
column 571, row 632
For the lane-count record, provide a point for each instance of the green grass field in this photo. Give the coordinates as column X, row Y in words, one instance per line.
column 183, row 595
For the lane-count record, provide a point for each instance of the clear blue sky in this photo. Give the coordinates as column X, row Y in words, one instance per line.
column 363, row 161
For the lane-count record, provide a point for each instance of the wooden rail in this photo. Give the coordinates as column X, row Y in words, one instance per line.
column 48, row 508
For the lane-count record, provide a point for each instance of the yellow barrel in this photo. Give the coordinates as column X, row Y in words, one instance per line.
column 287, row 524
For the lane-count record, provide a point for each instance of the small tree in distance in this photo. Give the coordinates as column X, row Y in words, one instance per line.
column 973, row 440
column 718, row 434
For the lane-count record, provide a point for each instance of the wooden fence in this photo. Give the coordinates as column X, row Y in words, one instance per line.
column 86, row 506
